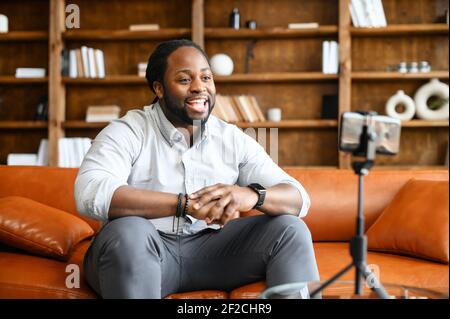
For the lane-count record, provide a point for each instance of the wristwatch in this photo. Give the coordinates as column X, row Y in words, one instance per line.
column 261, row 191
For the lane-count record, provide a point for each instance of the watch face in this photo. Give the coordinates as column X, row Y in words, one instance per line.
column 258, row 187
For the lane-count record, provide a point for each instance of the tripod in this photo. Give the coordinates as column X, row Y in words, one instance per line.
column 358, row 244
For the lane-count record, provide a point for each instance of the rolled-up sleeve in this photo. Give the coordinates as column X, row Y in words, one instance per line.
column 256, row 166
column 106, row 167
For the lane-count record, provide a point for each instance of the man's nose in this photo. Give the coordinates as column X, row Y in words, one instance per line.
column 198, row 86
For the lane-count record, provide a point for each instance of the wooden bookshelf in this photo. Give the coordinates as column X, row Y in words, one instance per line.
column 423, row 123
column 17, row 81
column 276, row 77
column 401, row 30
column 21, row 36
column 25, row 125
column 107, row 35
column 373, row 75
column 108, row 80
column 268, row 33
column 290, row 124
column 285, row 70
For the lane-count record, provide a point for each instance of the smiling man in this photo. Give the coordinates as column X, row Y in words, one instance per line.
column 167, row 181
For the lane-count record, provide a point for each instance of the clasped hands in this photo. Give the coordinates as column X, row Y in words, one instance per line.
column 217, row 204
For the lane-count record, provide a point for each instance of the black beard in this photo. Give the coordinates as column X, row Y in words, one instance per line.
column 180, row 114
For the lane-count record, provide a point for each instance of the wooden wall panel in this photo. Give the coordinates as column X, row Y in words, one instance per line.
column 78, row 98
column 419, row 146
column 117, row 14
column 376, row 54
column 26, row 15
column 308, row 147
column 18, row 103
column 415, row 11
column 22, row 54
column 268, row 13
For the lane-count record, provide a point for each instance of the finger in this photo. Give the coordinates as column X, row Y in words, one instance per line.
column 229, row 213
column 216, row 211
column 204, row 190
column 210, row 196
column 203, row 212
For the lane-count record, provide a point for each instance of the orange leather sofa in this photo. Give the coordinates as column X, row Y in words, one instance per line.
column 331, row 221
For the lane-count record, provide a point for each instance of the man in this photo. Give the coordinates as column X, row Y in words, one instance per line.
column 169, row 179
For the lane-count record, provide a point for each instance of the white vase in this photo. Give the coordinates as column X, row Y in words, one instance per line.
column 400, row 98
column 432, row 88
column 221, row 64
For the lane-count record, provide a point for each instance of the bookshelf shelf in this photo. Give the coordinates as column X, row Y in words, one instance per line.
column 229, row 33
column 277, row 77
column 401, row 29
column 9, row 79
column 83, row 125
column 24, row 36
column 425, row 124
column 290, row 124
column 267, row 124
column 410, row 167
column 13, row 125
column 106, row 35
column 371, row 75
column 108, row 80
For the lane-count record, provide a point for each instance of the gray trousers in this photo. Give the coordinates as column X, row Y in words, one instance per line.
column 129, row 258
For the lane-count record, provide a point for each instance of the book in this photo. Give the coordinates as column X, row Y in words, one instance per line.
column 73, row 71
column 85, row 59
column 100, row 62
column 102, row 113
column 144, row 27
column 42, row 154
column 30, row 72
column 65, row 62
column 334, row 57
column 325, row 57
column 309, row 25
column 378, row 5
column 256, row 107
column 92, row 71
column 79, row 63
column 21, row 159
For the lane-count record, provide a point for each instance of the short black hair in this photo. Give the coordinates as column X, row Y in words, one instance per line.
column 157, row 62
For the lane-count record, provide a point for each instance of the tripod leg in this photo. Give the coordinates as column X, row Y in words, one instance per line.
column 375, row 284
column 330, row 281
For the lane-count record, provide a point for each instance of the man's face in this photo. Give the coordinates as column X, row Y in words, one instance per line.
column 188, row 91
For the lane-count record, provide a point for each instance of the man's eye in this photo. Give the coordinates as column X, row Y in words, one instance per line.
column 185, row 80
column 207, row 78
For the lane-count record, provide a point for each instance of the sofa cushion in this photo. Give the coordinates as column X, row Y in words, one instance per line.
column 415, row 223
column 392, row 269
column 40, row 229
column 30, row 277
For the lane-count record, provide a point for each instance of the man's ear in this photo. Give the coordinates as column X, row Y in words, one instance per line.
column 159, row 90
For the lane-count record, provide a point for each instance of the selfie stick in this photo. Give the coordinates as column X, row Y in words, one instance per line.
column 358, row 244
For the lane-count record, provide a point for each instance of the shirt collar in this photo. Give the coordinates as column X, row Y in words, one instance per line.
column 170, row 133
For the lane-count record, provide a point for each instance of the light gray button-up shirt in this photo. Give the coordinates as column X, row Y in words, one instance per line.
column 144, row 150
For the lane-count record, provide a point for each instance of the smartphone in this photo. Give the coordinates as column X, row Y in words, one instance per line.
column 386, row 129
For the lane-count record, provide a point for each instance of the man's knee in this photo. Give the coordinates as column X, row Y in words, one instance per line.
column 127, row 235
column 293, row 227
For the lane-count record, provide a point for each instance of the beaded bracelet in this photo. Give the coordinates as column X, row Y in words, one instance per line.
column 186, row 205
